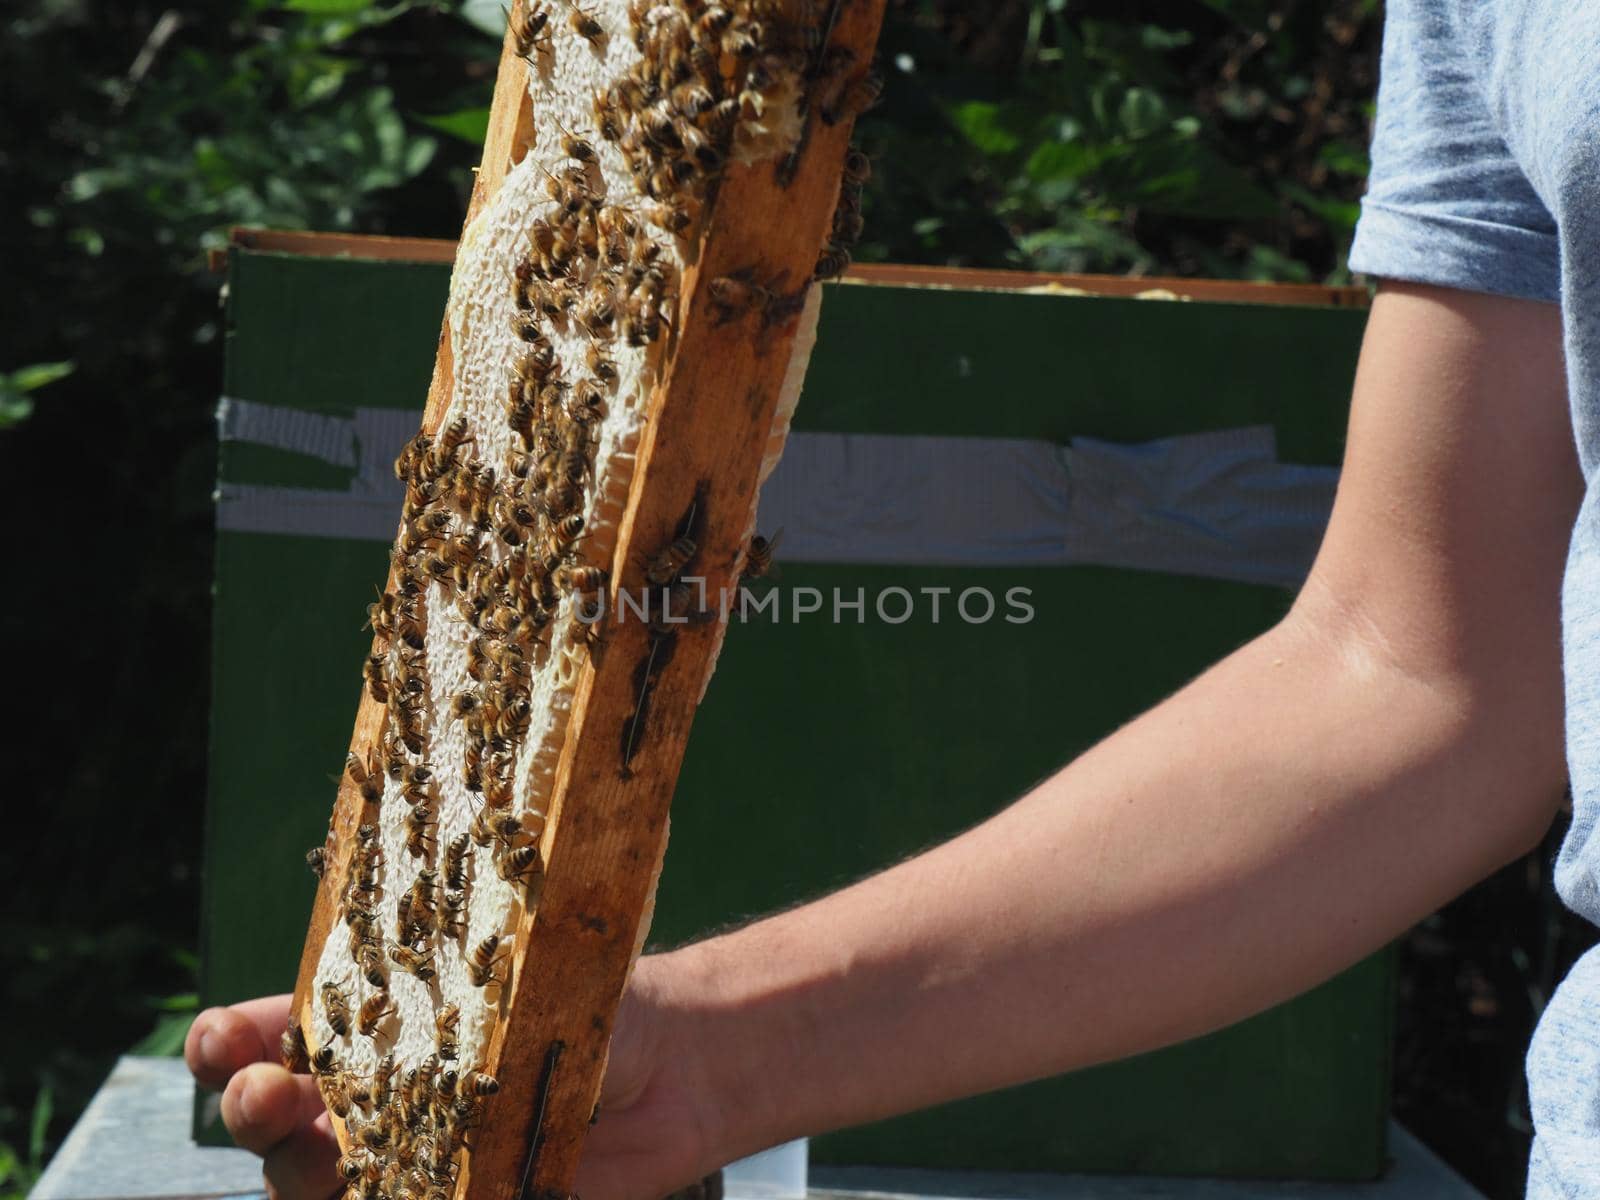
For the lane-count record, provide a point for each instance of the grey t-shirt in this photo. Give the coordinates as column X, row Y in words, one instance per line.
column 1486, row 176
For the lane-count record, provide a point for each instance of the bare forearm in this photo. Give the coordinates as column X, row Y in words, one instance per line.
column 1290, row 811
column 1392, row 741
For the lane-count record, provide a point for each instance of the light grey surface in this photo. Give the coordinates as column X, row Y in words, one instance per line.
column 133, row 1141
column 133, row 1144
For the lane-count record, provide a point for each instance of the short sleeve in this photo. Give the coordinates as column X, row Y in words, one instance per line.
column 1446, row 202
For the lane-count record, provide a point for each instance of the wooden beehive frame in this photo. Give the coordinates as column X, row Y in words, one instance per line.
column 709, row 419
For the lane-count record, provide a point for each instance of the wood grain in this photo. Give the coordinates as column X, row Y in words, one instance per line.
column 708, row 423
column 709, row 417
column 1224, row 291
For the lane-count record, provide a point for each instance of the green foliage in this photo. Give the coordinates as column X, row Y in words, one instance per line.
column 15, row 403
column 18, row 1171
column 137, row 134
column 287, row 129
column 1085, row 137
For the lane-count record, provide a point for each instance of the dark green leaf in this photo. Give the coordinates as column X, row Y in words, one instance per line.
column 985, row 126
column 1141, row 113
column 44, row 1107
column 470, row 125
column 30, row 378
column 328, row 7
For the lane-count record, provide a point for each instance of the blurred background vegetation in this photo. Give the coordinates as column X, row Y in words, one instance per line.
column 1223, row 138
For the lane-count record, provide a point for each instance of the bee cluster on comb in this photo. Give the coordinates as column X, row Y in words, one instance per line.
column 566, row 303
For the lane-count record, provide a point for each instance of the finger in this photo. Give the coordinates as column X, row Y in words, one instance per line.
column 302, row 1167
column 224, row 1040
column 264, row 1104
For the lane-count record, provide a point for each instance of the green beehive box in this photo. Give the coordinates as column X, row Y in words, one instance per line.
column 824, row 749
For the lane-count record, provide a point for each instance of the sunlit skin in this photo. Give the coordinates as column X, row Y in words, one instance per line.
column 1394, row 739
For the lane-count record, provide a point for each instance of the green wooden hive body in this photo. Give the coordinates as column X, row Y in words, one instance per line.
column 824, row 751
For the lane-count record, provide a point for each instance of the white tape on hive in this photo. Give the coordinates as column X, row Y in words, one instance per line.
column 1217, row 504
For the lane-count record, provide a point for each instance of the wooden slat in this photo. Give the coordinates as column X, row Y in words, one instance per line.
column 1229, row 291
column 708, row 422
column 1221, row 290
column 709, row 418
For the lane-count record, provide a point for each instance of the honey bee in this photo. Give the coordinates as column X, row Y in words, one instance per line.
column 661, row 569
column 374, row 1136
column 608, row 120
column 370, row 960
column 451, row 438
column 566, row 531
column 713, row 22
column 382, row 1081
column 853, row 99
column 381, row 616
column 672, row 216
column 456, row 855
column 453, row 914
column 661, row 130
column 410, row 457
column 530, row 34
column 734, row 295
column 363, row 922
column 360, row 1091
column 586, row 631
column 524, row 864
column 424, row 891
column 292, row 1046
column 597, row 312
column 586, row 27
column 758, row 556
column 583, row 580
column 373, row 1010
column 354, row 1165
column 417, row 962
column 832, row 262
column 490, row 824
column 680, row 605
column 847, row 227
column 336, row 1007
column 415, row 778
column 317, row 860
column 556, row 300
column 445, row 1027
column 857, row 166
column 600, row 364
column 372, row 672
column 538, row 364
column 356, row 768
column 323, row 1061
column 479, row 1083
column 486, row 955
column 402, row 917
column 560, row 498
column 419, row 821
column 641, row 324
column 742, row 42
column 496, row 790
column 575, row 147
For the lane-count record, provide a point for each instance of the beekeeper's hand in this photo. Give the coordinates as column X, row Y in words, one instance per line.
column 653, row 1135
